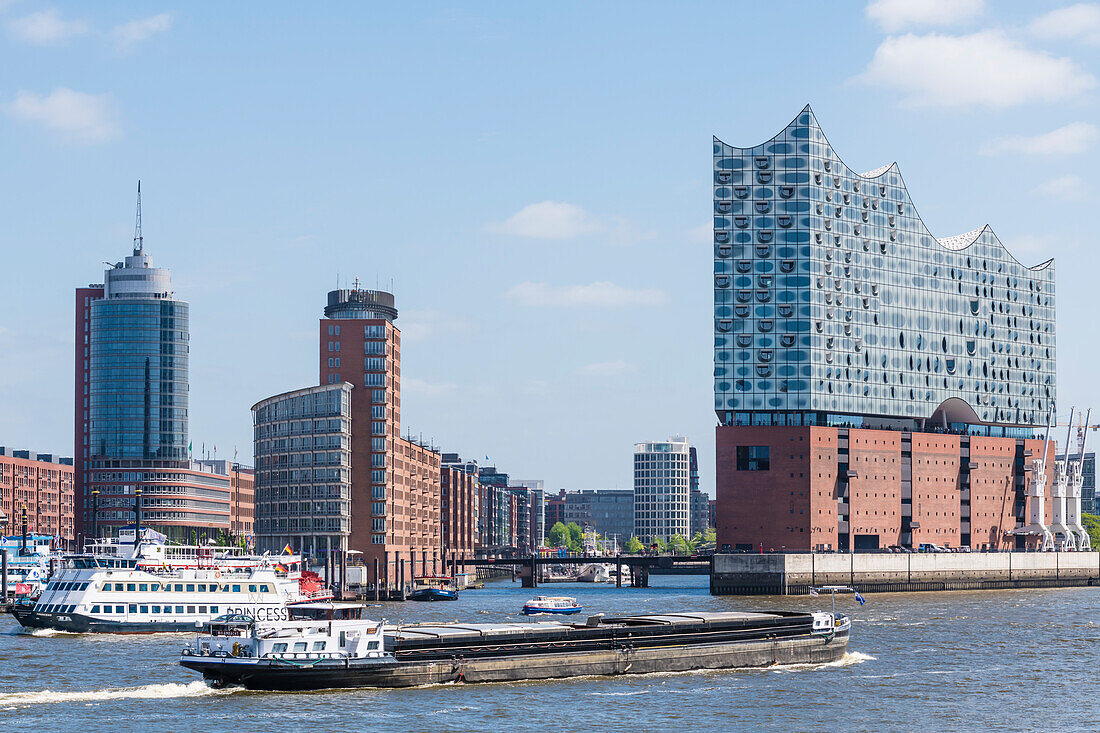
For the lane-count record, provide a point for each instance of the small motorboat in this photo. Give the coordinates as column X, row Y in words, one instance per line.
column 433, row 589
column 552, row 604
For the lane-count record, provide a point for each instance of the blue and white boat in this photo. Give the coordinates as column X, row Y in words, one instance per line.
column 28, row 563
column 563, row 605
column 433, row 589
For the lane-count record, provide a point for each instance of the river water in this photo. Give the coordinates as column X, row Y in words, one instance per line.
column 990, row 660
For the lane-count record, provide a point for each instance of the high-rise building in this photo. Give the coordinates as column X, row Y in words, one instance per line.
column 874, row 384
column 302, row 447
column 495, row 516
column 394, row 492
column 458, row 508
column 661, row 497
column 700, row 511
column 131, row 408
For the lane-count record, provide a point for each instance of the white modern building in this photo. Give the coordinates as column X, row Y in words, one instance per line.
column 662, row 505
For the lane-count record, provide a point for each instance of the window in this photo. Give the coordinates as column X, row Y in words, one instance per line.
column 120, row 609
column 145, row 609
column 318, row 646
column 179, row 589
column 95, row 609
column 753, row 458
column 154, row 586
column 133, row 608
column 202, row 587
column 300, row 646
column 265, row 588
column 236, row 588
column 190, row 609
column 251, row 589
column 278, row 648
column 179, row 609
column 131, row 587
column 156, row 609
column 190, row 587
column 202, row 609
column 214, row 610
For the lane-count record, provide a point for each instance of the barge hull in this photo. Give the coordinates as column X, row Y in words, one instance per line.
column 268, row 675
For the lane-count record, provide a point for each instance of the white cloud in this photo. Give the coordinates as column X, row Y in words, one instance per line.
column 607, row 368
column 1076, row 137
column 1065, row 187
column 420, row 387
column 45, row 27
column 128, row 34
column 598, row 294
column 548, row 220
column 1080, row 21
column 893, row 15
column 79, row 116
column 985, row 69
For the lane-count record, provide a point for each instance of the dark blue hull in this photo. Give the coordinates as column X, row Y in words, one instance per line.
column 80, row 624
column 527, row 610
column 433, row 594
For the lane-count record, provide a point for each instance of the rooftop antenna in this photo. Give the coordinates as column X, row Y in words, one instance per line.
column 139, row 241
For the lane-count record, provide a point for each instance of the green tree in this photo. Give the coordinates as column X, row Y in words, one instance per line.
column 634, row 546
column 696, row 541
column 576, row 536
column 662, row 546
column 679, row 545
column 1091, row 523
column 558, row 536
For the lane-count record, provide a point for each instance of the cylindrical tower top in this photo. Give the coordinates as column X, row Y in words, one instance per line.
column 358, row 303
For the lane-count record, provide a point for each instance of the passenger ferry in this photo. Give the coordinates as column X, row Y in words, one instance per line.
column 103, row 593
column 28, row 563
column 332, row 645
column 552, row 604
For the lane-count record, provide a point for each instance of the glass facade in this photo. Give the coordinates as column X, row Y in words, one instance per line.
column 302, row 443
column 138, row 378
column 661, row 490
column 832, row 299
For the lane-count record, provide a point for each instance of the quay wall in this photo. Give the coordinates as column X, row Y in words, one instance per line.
column 795, row 573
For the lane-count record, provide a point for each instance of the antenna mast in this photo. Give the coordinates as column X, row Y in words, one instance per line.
column 139, row 241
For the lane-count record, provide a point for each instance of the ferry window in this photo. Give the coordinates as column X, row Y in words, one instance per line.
column 120, row 609
column 202, row 587
column 95, row 609
column 236, row 588
column 343, row 638
column 156, row 609
column 277, row 648
column 299, row 646
column 190, row 587
column 318, row 646
column 133, row 608
column 202, row 609
column 119, row 587
column 372, row 645
column 145, row 609
column 179, row 587
column 179, row 609
column 251, row 589
column 190, row 609
column 154, row 586
column 213, row 609
column 131, row 587
column 143, row 587
column 265, row 588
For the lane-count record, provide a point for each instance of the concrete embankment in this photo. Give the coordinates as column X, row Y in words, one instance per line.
column 794, row 574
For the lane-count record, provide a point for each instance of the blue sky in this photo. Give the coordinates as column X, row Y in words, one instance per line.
column 534, row 180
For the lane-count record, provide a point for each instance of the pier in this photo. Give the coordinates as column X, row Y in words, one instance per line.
column 796, row 573
column 639, row 566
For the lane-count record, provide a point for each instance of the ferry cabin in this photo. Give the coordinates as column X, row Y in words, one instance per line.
column 96, row 593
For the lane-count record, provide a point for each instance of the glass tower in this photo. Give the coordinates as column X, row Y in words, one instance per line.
column 138, row 368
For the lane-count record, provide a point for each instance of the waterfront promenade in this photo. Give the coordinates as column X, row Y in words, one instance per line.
column 906, row 650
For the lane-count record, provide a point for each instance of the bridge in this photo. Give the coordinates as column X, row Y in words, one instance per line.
column 640, row 566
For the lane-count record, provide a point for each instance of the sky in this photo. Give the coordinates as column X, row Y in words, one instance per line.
column 532, row 181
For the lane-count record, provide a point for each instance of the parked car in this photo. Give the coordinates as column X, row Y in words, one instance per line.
column 931, row 547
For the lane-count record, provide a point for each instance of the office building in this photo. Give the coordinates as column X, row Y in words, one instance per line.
column 42, row 485
column 661, row 494
column 458, row 508
column 131, row 408
column 537, row 496
column 700, row 511
column 874, row 385
column 393, row 498
column 609, row 512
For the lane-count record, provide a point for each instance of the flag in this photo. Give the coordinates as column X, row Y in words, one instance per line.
column 814, row 593
column 859, row 598
column 189, row 449
column 279, row 567
column 288, row 550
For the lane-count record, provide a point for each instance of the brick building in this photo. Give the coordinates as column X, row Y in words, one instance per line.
column 874, row 385
column 458, row 511
column 43, row 484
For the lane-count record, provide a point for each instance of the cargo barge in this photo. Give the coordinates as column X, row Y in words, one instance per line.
column 332, row 646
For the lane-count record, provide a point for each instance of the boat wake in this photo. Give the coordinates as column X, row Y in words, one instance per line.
column 144, row 692
column 847, row 660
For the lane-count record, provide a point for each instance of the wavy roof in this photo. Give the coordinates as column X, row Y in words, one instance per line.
column 954, row 243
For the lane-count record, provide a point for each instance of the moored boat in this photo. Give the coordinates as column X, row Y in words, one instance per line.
column 333, row 646
column 431, row 588
column 562, row 605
